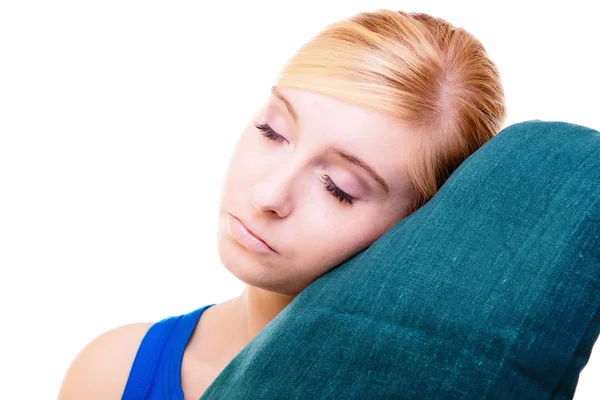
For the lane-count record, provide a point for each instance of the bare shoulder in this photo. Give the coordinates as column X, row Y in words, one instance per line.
column 101, row 368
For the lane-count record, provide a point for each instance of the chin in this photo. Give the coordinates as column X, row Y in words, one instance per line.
column 240, row 263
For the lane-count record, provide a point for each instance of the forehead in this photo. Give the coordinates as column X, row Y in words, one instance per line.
column 377, row 137
column 312, row 106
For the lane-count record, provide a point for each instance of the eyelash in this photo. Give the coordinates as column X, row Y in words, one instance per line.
column 269, row 133
column 330, row 186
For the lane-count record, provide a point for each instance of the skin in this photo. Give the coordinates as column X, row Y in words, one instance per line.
column 276, row 188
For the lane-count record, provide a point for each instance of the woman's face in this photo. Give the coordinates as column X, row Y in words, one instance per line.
column 292, row 189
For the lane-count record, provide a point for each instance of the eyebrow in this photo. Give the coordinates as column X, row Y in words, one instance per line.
column 351, row 158
column 287, row 104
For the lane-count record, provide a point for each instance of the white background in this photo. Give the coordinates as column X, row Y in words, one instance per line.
column 117, row 120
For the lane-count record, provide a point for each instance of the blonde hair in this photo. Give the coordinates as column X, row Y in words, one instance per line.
column 429, row 74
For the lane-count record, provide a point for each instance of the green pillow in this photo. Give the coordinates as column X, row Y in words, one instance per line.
column 489, row 291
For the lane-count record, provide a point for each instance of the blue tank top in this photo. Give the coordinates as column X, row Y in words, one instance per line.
column 156, row 370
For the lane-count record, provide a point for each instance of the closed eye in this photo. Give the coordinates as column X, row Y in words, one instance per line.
column 329, row 185
column 269, row 133
column 336, row 191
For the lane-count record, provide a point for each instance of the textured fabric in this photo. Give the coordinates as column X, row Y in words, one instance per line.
column 156, row 370
column 489, row 291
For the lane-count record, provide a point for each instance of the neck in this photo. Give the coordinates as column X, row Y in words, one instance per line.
column 257, row 307
column 237, row 321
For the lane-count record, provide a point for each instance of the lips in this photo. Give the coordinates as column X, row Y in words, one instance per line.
column 253, row 232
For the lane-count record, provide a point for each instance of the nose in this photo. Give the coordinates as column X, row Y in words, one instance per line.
column 273, row 194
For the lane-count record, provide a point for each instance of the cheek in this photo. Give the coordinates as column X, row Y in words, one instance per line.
column 335, row 243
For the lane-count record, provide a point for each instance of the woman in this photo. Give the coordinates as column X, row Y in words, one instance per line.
column 364, row 125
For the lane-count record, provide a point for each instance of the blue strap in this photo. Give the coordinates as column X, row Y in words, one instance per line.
column 156, row 370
